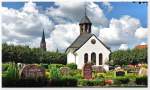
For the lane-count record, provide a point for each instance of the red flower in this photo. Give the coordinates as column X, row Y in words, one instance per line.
column 108, row 82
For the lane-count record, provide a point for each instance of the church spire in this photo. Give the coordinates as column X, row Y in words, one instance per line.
column 43, row 43
column 85, row 9
column 85, row 23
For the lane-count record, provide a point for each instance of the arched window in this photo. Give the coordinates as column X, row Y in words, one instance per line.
column 93, row 58
column 100, row 59
column 85, row 58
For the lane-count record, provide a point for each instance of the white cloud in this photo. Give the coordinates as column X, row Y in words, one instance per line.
column 123, row 47
column 23, row 26
column 73, row 11
column 141, row 33
column 109, row 6
column 120, row 30
column 143, row 43
column 30, row 7
column 63, row 36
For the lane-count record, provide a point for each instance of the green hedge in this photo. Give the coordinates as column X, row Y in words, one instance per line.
column 141, row 80
column 98, row 82
column 62, row 82
column 24, row 82
column 121, row 80
column 72, row 66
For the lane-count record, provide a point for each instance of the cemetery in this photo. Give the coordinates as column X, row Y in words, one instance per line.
column 18, row 71
column 58, row 75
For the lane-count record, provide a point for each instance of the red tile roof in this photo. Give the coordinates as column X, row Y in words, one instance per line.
column 141, row 46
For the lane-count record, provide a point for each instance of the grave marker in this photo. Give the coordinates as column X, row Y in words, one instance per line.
column 32, row 71
column 87, row 71
column 64, row 71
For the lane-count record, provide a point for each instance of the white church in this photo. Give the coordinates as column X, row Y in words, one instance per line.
column 87, row 48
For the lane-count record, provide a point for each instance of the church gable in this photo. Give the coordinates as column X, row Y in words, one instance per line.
column 81, row 39
column 94, row 42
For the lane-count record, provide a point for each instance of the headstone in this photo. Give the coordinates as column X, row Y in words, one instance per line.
column 64, row 71
column 98, row 69
column 87, row 71
column 120, row 73
column 32, row 71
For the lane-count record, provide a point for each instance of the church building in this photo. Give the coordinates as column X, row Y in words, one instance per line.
column 87, row 47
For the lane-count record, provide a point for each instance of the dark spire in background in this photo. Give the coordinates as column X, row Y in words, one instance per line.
column 43, row 43
column 43, row 37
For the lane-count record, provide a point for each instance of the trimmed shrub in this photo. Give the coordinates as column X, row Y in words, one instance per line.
column 64, row 81
column 141, row 80
column 41, row 82
column 100, row 75
column 72, row 66
column 98, row 82
column 121, row 80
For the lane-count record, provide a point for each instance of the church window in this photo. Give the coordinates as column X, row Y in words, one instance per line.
column 93, row 58
column 85, row 58
column 100, row 59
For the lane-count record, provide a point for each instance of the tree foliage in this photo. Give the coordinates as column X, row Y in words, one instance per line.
column 130, row 56
column 24, row 54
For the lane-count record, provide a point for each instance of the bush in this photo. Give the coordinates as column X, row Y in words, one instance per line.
column 12, row 72
column 45, row 66
column 141, row 80
column 121, row 80
column 5, row 67
column 98, row 82
column 54, row 73
column 100, row 75
column 24, row 82
column 55, row 65
column 72, row 66
column 64, row 81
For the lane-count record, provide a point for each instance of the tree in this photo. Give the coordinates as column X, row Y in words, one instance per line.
column 24, row 54
column 133, row 56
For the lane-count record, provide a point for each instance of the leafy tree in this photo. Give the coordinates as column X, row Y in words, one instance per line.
column 24, row 54
column 130, row 56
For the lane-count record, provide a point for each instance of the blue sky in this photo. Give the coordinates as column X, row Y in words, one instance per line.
column 56, row 16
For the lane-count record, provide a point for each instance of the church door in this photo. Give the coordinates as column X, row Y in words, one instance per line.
column 85, row 58
column 100, row 59
column 93, row 58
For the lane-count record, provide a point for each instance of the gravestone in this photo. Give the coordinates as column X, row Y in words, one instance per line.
column 98, row 69
column 64, row 71
column 32, row 71
column 87, row 71
column 120, row 73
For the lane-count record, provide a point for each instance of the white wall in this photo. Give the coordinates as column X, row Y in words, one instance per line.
column 70, row 58
column 88, row 47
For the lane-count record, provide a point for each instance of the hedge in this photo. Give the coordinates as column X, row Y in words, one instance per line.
column 98, row 82
column 72, row 66
column 141, row 80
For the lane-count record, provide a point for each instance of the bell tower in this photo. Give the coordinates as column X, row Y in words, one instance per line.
column 43, row 43
column 85, row 24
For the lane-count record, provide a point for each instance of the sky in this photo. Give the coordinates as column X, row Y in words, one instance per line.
column 120, row 25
